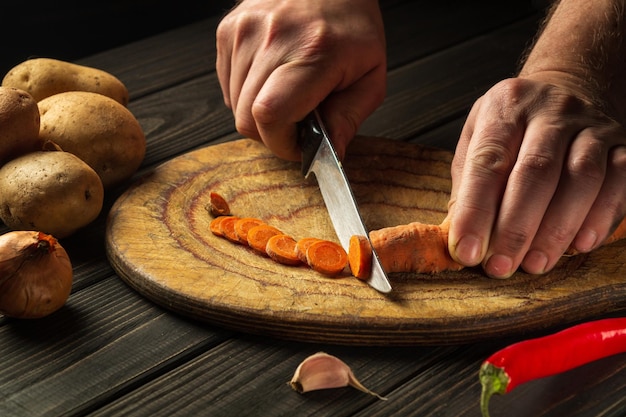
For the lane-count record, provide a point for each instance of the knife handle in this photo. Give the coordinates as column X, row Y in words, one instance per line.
column 310, row 135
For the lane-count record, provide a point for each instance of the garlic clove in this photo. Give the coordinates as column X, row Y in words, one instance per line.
column 324, row 371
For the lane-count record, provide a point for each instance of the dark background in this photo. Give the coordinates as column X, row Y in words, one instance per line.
column 72, row 29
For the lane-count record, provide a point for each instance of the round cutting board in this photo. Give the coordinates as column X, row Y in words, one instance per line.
column 158, row 241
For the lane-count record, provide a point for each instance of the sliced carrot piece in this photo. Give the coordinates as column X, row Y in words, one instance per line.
column 227, row 227
column 360, row 256
column 215, row 227
column 243, row 225
column 218, row 206
column 302, row 245
column 259, row 235
column 327, row 257
column 282, row 249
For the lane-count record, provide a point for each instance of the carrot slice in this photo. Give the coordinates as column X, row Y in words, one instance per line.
column 327, row 257
column 259, row 235
column 227, row 227
column 215, row 227
column 302, row 245
column 282, row 249
column 218, row 206
column 360, row 256
column 243, row 226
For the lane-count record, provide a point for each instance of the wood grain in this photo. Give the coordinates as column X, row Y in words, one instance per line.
column 158, row 241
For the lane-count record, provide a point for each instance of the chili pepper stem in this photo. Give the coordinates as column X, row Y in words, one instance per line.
column 494, row 381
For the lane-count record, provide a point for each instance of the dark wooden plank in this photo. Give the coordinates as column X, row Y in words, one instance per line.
column 70, row 29
column 418, row 382
column 443, row 86
column 105, row 340
column 444, row 136
column 182, row 117
column 419, row 28
column 449, row 388
column 248, row 377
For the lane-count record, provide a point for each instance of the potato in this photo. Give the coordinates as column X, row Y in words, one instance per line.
column 98, row 130
column 44, row 77
column 19, row 123
column 53, row 192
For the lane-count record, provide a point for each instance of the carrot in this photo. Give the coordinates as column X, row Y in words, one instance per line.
column 243, row 226
column 618, row 234
column 215, row 227
column 360, row 256
column 259, row 235
column 302, row 245
column 326, row 257
column 227, row 227
column 282, row 249
column 414, row 247
column 423, row 248
column 218, row 206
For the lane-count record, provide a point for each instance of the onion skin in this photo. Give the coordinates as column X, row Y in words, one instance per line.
column 35, row 274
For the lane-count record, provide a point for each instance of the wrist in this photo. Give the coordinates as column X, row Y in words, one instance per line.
column 582, row 49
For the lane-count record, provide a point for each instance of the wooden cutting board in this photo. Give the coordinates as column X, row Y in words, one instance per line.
column 158, row 241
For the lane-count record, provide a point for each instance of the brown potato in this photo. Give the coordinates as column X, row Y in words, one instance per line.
column 98, row 130
column 44, row 77
column 50, row 191
column 19, row 123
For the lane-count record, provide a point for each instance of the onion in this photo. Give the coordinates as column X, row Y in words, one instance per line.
column 35, row 274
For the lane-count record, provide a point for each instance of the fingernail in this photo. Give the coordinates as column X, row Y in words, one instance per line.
column 499, row 266
column 535, row 262
column 585, row 240
column 468, row 250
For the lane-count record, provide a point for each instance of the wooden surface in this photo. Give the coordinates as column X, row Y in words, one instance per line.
column 209, row 278
column 113, row 352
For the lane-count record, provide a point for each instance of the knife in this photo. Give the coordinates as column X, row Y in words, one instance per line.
column 319, row 157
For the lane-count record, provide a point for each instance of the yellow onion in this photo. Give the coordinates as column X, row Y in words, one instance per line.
column 35, row 274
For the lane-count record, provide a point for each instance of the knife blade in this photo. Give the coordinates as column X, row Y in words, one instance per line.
column 320, row 158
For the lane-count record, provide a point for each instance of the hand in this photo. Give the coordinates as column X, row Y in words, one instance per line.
column 278, row 60
column 538, row 168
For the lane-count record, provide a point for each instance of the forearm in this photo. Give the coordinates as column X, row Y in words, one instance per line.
column 583, row 44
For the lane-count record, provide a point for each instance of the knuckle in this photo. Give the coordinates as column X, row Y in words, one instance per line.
column 316, row 43
column 612, row 205
column 492, row 160
column 536, row 164
column 263, row 113
column 510, row 89
column 560, row 235
column 222, row 32
column 618, row 159
column 234, row 26
column 513, row 241
column 508, row 95
column 586, row 167
column 246, row 128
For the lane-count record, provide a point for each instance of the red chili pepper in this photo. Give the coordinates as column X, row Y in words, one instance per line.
column 549, row 355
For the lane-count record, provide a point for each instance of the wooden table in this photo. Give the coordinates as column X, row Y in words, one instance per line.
column 112, row 352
